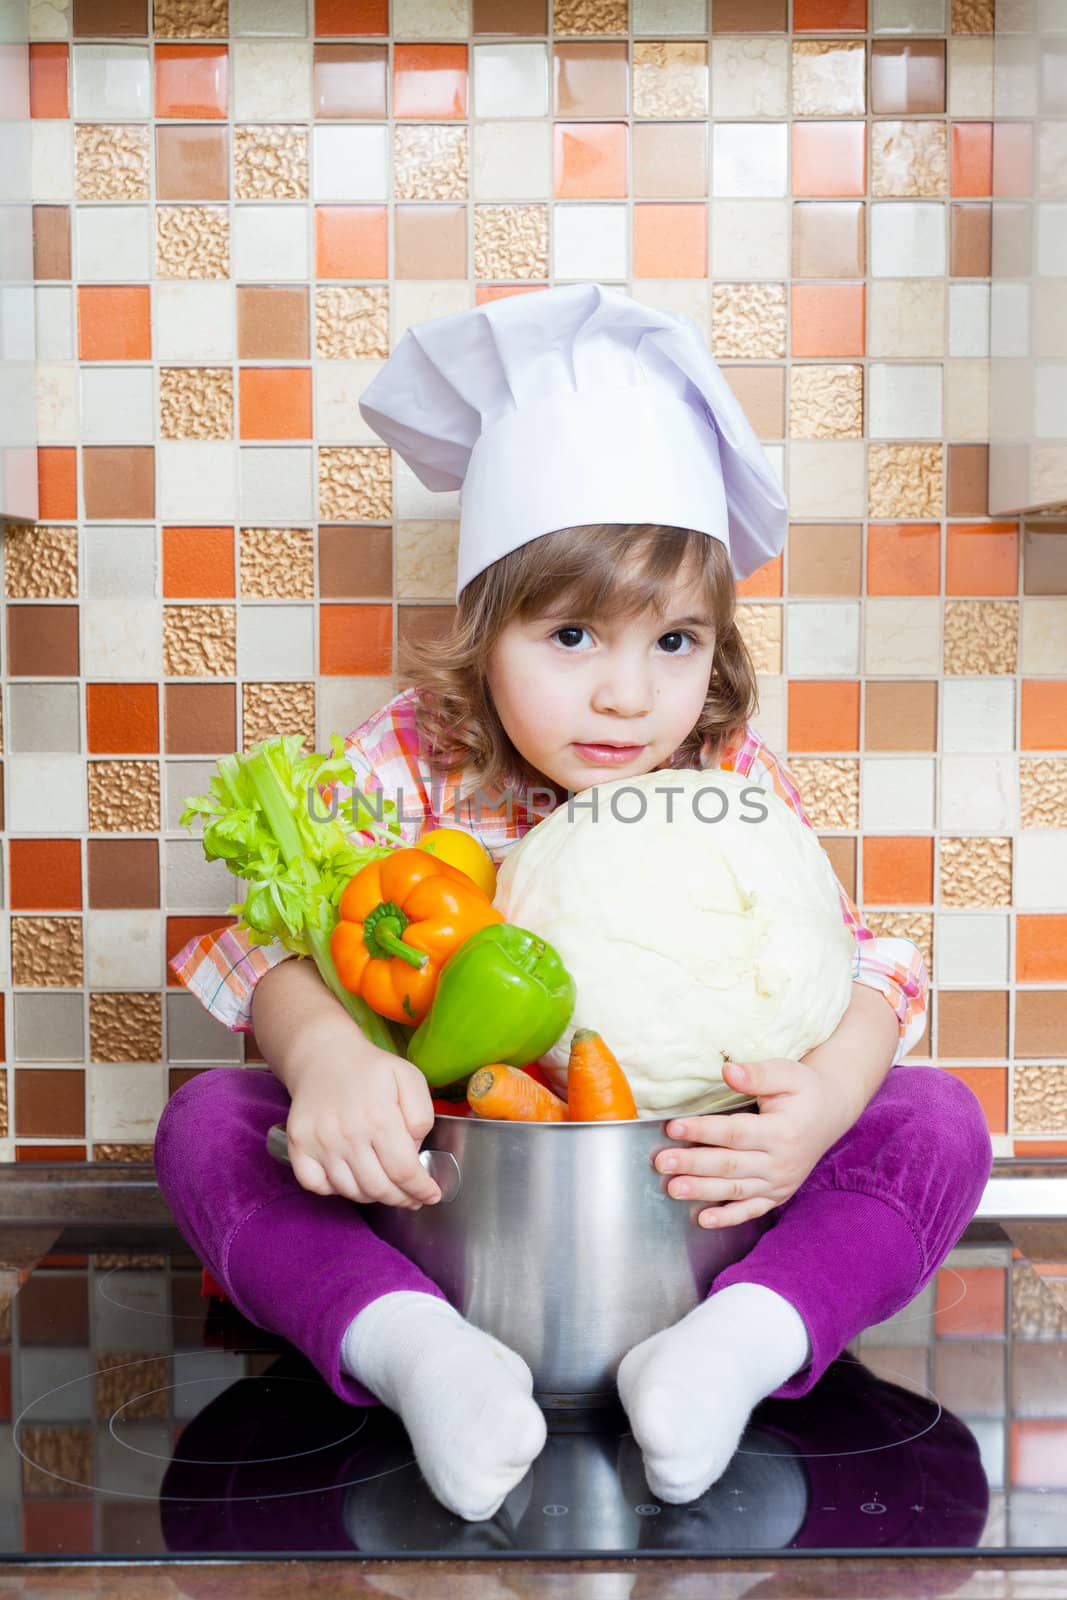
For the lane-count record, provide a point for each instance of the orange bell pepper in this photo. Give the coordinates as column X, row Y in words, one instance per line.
column 399, row 920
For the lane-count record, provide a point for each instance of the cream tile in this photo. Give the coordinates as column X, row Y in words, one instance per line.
column 117, row 405
column 971, row 948
column 822, row 639
column 419, row 299
column 119, row 562
column 345, row 703
column 426, row 555
column 979, row 794
column 770, row 720
column 1051, row 239
column 977, row 714
column 970, row 77
column 45, row 794
column 351, row 163
column 122, row 639
column 902, row 636
column 57, row 404
column 967, row 401
column 338, row 386
column 414, row 500
column 749, row 239
column 1043, row 635
column 275, row 641
column 271, row 80
column 897, row 794
column 270, row 243
column 511, row 160
column 49, row 19
column 1040, row 869
column 684, row 297
column 113, row 243
column 193, row 321
column 907, row 318
column 1009, row 319
column 125, row 1101
column 968, row 320
column 511, row 80
column 904, row 402
column 275, row 485
column 907, row 240
column 826, row 478
column 591, row 241
column 53, row 323
column 51, row 160
column 124, row 949
column 749, row 159
column 1050, row 384
column 431, row 19
column 663, row 17
column 112, row 82
column 749, row 76
column 191, row 882
column 909, row 16
column 195, row 480
column 268, row 17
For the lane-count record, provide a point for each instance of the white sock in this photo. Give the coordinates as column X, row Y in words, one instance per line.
column 689, row 1390
column 464, row 1398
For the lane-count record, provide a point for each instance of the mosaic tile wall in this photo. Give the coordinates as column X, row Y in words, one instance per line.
column 238, row 212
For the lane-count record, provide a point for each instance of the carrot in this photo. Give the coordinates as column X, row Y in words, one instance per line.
column 597, row 1087
column 509, row 1095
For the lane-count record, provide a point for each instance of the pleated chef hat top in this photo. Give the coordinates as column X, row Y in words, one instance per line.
column 574, row 405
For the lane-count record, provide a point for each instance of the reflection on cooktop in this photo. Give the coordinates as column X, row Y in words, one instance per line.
column 148, row 1421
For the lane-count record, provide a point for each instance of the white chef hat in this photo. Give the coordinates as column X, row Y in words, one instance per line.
column 572, row 405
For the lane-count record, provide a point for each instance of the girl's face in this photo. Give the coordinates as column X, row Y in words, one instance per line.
column 560, row 682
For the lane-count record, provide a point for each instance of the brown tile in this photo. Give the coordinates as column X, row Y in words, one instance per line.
column 430, row 241
column 54, row 1308
column 901, row 716
column 119, row 481
column 1040, row 1022
column 350, row 80
column 50, row 1104
column 355, row 562
column 192, row 162
column 272, row 324
column 1013, row 254
column 42, row 641
column 842, row 856
column 51, row 242
column 825, row 558
column 907, row 75
column 828, row 240
column 110, row 19
column 761, row 391
column 749, row 16
column 123, row 874
column 199, row 718
column 972, row 242
column 591, row 79
column 511, row 16
column 972, row 1023
column 421, row 622
column 669, row 160
column 1044, row 562
column 968, row 480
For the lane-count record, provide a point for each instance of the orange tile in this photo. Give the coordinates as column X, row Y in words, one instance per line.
column 589, row 160
column 198, row 564
column 982, row 558
column 904, row 558
column 898, row 871
column 57, row 1526
column 356, row 641
column 275, row 402
column 972, row 158
column 765, row 582
column 990, row 1086
column 57, row 483
column 50, row 1152
column 1039, row 1147
column 45, row 874
column 344, row 17
column 829, row 16
column 973, row 1309
column 830, row 158
column 485, row 292
column 823, row 716
column 49, row 80
column 114, row 323
column 122, row 718
column 1044, row 714
column 828, row 319
column 1041, row 948
column 181, row 929
column 351, row 242
column 430, row 80
column 670, row 241
column 191, row 80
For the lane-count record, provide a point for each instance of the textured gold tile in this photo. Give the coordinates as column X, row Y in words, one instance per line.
column 127, row 1153
column 760, row 627
column 355, row 484
column 905, row 481
column 830, row 791
column 1043, row 793
column 192, row 242
column 200, row 641
column 670, row 80
column 191, row 19
column 125, row 1027
column 981, row 636
column 110, row 161
column 1039, row 1099
column 975, row 871
column 510, row 243
column 277, row 564
column 1035, row 1314
column 271, row 708
column 590, row 16
column 748, row 321
column 352, row 320
column 196, row 403
column 825, row 402
column 40, row 562
column 139, row 1384
column 828, row 78
column 918, row 926
column 426, row 555
column 270, row 163
column 46, row 952
column 123, row 796
column 908, row 158
column 973, row 16
column 65, row 1454
column 430, row 162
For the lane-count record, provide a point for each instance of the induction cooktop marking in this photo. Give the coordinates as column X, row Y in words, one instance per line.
column 907, row 1382
column 144, row 1311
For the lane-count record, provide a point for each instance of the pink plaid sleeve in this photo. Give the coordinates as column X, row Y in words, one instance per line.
column 893, row 966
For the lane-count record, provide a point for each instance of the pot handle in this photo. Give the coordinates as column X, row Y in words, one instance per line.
column 442, row 1165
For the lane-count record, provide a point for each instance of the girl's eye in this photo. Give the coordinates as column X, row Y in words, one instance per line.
column 679, row 634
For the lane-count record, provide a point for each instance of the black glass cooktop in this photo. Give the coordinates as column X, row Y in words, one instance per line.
column 143, row 1420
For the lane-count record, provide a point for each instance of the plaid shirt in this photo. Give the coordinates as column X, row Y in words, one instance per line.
column 386, row 753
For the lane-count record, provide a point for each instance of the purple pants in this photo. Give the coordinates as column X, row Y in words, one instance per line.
column 859, row 1239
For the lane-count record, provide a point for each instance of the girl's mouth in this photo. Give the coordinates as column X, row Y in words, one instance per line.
column 607, row 755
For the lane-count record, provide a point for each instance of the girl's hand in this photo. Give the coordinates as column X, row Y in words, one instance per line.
column 756, row 1162
column 355, row 1125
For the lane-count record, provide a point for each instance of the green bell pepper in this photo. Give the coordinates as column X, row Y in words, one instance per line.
column 504, row 995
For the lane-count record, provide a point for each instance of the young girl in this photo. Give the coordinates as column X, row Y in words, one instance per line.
column 570, row 636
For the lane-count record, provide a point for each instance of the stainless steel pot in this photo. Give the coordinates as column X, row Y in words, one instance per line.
column 559, row 1238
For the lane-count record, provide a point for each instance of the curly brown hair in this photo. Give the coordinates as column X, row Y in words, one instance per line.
column 597, row 569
